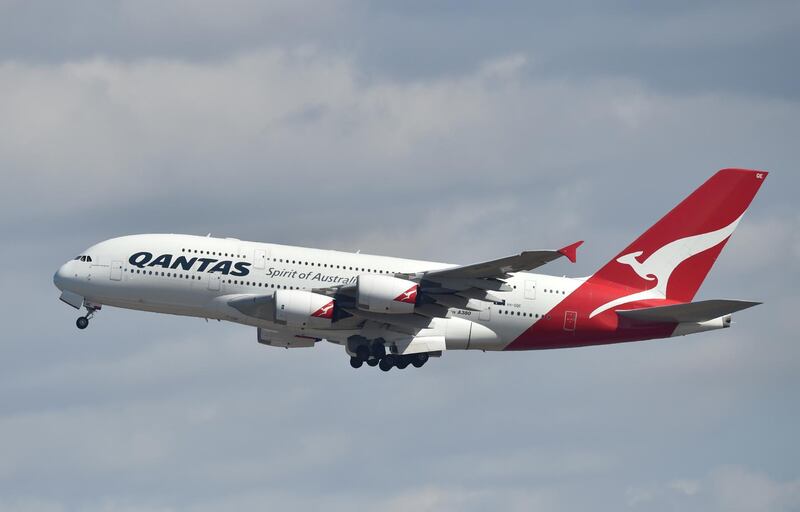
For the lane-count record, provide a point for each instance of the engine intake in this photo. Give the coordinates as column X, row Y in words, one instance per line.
column 386, row 294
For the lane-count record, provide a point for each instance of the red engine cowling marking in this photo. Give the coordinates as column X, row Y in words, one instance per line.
column 409, row 296
column 325, row 311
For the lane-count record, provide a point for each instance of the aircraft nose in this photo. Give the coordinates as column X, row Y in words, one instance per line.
column 60, row 277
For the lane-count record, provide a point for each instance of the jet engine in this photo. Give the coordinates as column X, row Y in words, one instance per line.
column 300, row 308
column 386, row 294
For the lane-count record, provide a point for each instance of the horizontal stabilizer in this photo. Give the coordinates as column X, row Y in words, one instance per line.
column 690, row 312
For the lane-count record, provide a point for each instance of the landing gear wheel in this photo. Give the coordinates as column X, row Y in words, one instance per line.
column 387, row 362
column 377, row 349
column 402, row 362
column 356, row 362
column 372, row 361
column 362, row 352
column 82, row 322
column 419, row 359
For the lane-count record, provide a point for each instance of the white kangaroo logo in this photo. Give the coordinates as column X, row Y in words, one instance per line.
column 323, row 311
column 408, row 295
column 662, row 263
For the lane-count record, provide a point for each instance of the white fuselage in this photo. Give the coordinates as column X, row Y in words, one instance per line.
column 198, row 276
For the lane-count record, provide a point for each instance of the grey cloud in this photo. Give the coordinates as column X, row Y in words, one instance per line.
column 684, row 46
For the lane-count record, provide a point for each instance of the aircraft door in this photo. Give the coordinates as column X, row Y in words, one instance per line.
column 116, row 271
column 570, row 320
column 530, row 290
column 213, row 282
column 261, row 258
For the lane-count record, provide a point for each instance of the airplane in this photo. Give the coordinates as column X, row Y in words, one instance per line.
column 395, row 312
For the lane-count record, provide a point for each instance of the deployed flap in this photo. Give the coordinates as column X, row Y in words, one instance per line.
column 527, row 260
column 279, row 339
column 689, row 312
column 419, row 344
column 411, row 320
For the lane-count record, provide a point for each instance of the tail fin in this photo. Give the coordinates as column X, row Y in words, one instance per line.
column 675, row 255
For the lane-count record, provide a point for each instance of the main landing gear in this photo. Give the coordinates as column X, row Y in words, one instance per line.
column 83, row 321
column 402, row 362
column 377, row 356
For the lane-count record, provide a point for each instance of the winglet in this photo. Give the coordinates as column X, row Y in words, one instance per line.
column 571, row 251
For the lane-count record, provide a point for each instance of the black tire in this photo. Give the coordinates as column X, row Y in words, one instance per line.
column 356, row 362
column 378, row 349
column 372, row 361
column 402, row 362
column 419, row 359
column 386, row 364
column 82, row 322
column 362, row 352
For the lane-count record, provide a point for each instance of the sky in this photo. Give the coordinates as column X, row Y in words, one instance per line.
column 448, row 131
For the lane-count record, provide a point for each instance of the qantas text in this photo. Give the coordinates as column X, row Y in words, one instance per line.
column 210, row 265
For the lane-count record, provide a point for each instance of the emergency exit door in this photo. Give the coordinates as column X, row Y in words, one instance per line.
column 530, row 289
column 260, row 258
column 116, row 271
column 570, row 320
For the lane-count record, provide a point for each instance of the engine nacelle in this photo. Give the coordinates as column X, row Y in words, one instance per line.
column 300, row 308
column 386, row 294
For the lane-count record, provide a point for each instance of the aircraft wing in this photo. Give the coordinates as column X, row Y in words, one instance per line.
column 527, row 260
column 468, row 287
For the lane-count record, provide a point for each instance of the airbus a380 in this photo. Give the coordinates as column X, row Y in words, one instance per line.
column 394, row 312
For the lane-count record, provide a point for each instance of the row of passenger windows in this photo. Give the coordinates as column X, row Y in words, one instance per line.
column 293, row 262
column 278, row 287
column 522, row 313
column 230, row 281
column 325, row 265
column 163, row 274
column 213, row 253
column 561, row 292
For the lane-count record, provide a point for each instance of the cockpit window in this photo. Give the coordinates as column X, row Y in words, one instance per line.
column 83, row 257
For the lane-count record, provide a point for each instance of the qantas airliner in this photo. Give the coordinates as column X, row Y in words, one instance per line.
column 394, row 312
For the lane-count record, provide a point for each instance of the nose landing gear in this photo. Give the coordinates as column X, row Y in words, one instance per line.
column 83, row 321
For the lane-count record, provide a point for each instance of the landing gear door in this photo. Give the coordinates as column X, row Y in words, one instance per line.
column 530, row 290
column 116, row 271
